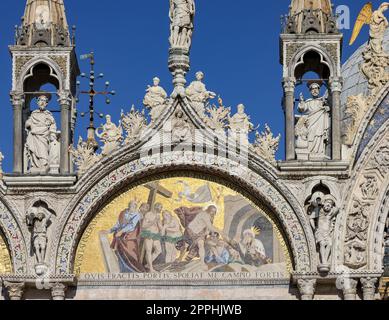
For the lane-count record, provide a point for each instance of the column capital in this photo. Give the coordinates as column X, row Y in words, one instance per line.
column 58, row 291
column 336, row 84
column 369, row 287
column 64, row 98
column 17, row 98
column 349, row 287
column 307, row 288
column 15, row 290
column 289, row 84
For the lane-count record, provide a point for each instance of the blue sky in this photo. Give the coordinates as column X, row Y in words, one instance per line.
column 236, row 44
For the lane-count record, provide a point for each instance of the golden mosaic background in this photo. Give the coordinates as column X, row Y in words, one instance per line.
column 5, row 259
column 89, row 257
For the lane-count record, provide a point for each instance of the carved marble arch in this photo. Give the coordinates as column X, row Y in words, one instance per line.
column 11, row 242
column 52, row 74
column 112, row 176
column 315, row 59
column 360, row 227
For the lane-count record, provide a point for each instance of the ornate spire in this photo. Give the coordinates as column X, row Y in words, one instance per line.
column 44, row 24
column 311, row 16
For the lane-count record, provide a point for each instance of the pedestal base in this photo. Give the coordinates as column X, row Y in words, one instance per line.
column 302, row 154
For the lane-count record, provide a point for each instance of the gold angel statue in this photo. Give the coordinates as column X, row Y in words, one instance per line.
column 378, row 25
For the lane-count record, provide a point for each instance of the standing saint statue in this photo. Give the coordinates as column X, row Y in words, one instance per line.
column 316, row 117
column 322, row 215
column 181, row 16
column 40, row 129
column 39, row 219
column 155, row 99
column 240, row 124
column 198, row 94
column 111, row 135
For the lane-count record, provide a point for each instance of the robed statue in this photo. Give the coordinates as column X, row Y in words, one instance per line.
column 181, row 16
column 316, row 118
column 41, row 132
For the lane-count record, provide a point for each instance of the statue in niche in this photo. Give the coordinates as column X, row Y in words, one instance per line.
column 111, row 135
column 198, row 94
column 39, row 219
column 316, row 121
column 41, row 128
column 240, row 125
column 181, row 16
column 323, row 212
column 155, row 99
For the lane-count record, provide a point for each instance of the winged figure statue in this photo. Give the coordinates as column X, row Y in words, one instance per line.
column 378, row 24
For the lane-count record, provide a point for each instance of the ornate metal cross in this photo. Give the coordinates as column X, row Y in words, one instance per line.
column 92, row 93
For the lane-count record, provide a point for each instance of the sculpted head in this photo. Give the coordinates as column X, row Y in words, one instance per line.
column 40, row 215
column 241, row 108
column 314, row 88
column 199, row 76
column 156, row 81
column 108, row 118
column 42, row 102
column 328, row 203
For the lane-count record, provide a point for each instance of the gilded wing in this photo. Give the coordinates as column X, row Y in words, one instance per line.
column 364, row 17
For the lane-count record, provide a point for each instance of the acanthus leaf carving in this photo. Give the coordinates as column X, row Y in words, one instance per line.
column 84, row 156
column 266, row 145
column 134, row 123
